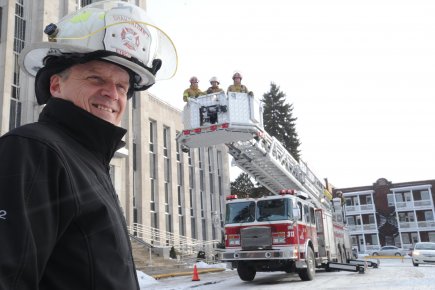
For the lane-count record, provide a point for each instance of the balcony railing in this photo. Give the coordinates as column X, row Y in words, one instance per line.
column 359, row 208
column 422, row 203
column 369, row 227
column 416, row 204
column 417, row 225
column 404, row 205
column 426, row 224
column 364, row 227
column 408, row 225
column 158, row 238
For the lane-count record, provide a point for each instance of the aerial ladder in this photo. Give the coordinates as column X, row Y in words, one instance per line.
column 236, row 120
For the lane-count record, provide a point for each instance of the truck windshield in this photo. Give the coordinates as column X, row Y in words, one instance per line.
column 240, row 212
column 273, row 210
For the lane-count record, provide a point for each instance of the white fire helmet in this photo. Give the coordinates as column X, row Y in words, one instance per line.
column 214, row 79
column 115, row 31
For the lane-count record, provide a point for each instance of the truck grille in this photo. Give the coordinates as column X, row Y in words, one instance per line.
column 256, row 238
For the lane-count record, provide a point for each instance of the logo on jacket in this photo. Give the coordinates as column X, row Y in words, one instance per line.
column 3, row 214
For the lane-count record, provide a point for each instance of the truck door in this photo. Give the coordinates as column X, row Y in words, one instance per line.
column 313, row 229
column 320, row 233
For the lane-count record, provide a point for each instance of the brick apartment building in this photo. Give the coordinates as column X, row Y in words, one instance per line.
column 387, row 213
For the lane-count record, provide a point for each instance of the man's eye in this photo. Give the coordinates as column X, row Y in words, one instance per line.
column 96, row 79
column 122, row 89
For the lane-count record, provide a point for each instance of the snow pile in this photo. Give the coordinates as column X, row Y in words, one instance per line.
column 203, row 265
column 145, row 280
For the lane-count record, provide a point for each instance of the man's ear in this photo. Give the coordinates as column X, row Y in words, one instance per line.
column 55, row 85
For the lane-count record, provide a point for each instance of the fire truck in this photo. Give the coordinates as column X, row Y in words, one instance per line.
column 297, row 229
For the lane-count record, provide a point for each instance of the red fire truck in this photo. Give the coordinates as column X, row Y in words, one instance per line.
column 298, row 229
column 285, row 232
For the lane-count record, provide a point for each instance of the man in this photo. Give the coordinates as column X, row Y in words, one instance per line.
column 193, row 91
column 237, row 85
column 214, row 82
column 63, row 227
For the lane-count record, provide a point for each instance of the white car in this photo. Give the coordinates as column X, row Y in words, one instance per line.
column 389, row 251
column 423, row 253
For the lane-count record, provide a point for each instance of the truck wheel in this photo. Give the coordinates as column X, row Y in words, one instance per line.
column 246, row 273
column 308, row 273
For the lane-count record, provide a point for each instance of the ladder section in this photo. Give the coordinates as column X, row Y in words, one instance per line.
column 266, row 159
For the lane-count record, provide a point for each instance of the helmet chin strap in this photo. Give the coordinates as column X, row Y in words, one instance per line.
column 156, row 65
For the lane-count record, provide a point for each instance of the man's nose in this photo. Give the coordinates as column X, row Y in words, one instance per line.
column 111, row 91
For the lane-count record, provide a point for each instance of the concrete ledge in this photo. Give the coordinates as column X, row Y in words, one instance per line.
column 189, row 273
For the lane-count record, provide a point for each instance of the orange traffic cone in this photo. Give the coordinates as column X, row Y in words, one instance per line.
column 195, row 274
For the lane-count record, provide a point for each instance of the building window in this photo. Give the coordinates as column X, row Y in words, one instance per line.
column 134, row 156
column 166, row 167
column 180, row 195
column 167, row 176
column 153, row 172
column 112, row 173
column 220, row 185
column 390, row 198
column 428, row 215
column 19, row 41
column 372, row 219
column 201, row 181
column 84, row 3
column 191, row 163
column 424, row 194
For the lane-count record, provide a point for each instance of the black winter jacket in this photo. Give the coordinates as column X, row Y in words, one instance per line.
column 61, row 226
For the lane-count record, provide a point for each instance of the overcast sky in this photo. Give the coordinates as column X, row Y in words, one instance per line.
column 360, row 75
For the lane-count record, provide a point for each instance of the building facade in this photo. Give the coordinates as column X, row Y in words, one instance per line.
column 158, row 185
column 386, row 213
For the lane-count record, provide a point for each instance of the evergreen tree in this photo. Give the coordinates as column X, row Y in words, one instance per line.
column 242, row 185
column 279, row 121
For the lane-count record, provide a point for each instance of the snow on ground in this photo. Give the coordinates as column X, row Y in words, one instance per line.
column 393, row 274
column 145, row 280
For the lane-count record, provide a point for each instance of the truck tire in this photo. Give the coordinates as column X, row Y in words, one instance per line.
column 308, row 273
column 246, row 273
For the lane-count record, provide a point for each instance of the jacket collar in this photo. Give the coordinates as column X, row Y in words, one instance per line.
column 95, row 134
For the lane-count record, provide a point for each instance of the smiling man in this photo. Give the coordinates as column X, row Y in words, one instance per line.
column 62, row 226
column 97, row 87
